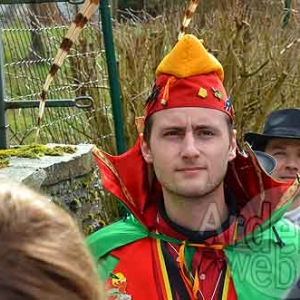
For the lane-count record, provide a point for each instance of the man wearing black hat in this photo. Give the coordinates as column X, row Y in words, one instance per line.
column 281, row 139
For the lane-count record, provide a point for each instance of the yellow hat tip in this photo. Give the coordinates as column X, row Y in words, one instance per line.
column 189, row 58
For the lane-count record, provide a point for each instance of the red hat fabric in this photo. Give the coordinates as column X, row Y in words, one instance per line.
column 189, row 76
column 205, row 91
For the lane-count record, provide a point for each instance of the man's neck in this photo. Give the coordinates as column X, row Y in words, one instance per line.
column 197, row 214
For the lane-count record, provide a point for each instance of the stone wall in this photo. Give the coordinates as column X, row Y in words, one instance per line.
column 72, row 181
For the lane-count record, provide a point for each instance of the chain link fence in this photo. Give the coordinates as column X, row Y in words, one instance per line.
column 31, row 35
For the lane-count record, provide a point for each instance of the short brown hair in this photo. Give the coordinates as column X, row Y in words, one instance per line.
column 43, row 253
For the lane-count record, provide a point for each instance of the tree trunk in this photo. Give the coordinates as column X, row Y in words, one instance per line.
column 37, row 49
column 114, row 9
column 42, row 15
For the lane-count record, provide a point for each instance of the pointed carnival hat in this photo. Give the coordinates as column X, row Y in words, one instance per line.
column 189, row 76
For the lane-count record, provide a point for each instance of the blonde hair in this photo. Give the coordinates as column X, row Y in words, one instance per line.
column 42, row 252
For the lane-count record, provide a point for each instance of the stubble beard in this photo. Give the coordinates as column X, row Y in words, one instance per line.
column 187, row 195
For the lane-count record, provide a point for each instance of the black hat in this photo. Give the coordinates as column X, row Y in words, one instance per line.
column 283, row 123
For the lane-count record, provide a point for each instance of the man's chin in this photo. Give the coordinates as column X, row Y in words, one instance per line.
column 194, row 192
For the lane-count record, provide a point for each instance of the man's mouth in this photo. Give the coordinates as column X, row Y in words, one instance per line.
column 190, row 169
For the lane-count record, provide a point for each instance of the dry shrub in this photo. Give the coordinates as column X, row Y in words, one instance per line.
column 140, row 44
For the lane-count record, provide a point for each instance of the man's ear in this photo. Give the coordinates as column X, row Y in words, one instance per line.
column 146, row 152
column 233, row 146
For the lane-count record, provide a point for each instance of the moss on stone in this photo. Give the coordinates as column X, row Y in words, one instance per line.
column 75, row 205
column 3, row 163
column 33, row 151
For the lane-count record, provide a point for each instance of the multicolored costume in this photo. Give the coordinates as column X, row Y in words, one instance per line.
column 254, row 255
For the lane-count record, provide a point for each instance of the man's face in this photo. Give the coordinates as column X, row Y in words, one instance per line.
column 287, row 155
column 190, row 149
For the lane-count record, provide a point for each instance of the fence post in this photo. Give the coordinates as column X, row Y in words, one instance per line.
column 3, row 125
column 112, row 74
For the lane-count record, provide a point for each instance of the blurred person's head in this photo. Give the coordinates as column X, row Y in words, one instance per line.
column 281, row 139
column 42, row 253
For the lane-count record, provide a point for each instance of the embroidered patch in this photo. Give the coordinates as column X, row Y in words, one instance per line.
column 202, row 92
column 118, row 287
column 228, row 103
column 154, row 94
column 217, row 93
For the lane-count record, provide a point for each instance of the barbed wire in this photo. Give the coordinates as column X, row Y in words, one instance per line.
column 27, row 62
column 39, row 29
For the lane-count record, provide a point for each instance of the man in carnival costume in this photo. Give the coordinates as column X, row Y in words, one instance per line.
column 207, row 218
column 281, row 139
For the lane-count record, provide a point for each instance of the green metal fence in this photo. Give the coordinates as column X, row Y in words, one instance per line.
column 31, row 32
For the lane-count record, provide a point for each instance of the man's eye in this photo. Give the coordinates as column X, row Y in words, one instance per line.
column 279, row 153
column 205, row 133
column 208, row 132
column 171, row 133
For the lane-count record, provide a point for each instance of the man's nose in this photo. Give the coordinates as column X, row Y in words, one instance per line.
column 293, row 164
column 189, row 146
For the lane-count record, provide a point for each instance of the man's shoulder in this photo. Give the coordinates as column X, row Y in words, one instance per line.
column 115, row 235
